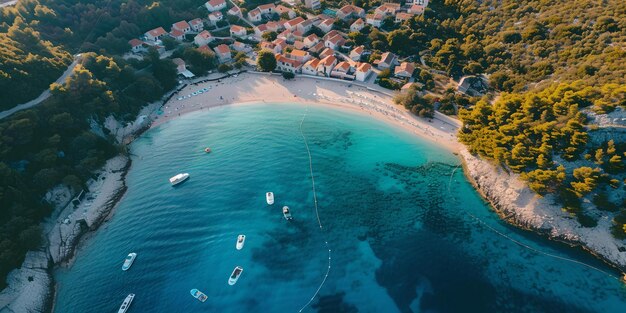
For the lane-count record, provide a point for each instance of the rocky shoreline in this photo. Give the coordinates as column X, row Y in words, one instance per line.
column 517, row 204
column 31, row 287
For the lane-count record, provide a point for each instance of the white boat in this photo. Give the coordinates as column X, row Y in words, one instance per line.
column 178, row 178
column 241, row 239
column 235, row 275
column 198, row 295
column 129, row 261
column 286, row 213
column 126, row 303
column 269, row 197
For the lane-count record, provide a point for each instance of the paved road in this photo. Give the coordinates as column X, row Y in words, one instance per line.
column 44, row 95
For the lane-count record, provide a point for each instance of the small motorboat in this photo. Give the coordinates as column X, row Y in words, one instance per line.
column 286, row 213
column 269, row 197
column 179, row 178
column 129, row 261
column 235, row 275
column 241, row 239
column 126, row 303
column 207, row 150
column 198, row 295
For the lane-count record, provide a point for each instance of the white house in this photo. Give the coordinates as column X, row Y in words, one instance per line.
column 334, row 42
column 350, row 11
column 215, row 5
column 363, row 71
column 374, row 19
column 281, row 44
column 326, row 65
column 177, row 34
column 326, row 25
column 280, row 9
column 387, row 60
column 241, row 47
column 305, row 26
column 387, row 9
column 416, row 9
column 404, row 70
column 196, row 25
column 318, row 47
column 312, row 4
column 285, row 64
column 155, row 34
column 311, row 40
column 291, row 24
column 298, row 55
column 203, row 38
column 356, row 53
column 326, row 52
column 223, row 52
column 267, row 8
column 401, row 17
column 310, row 67
column 237, row 31
column 342, row 70
column 234, row 11
column 182, row 27
column 255, row 15
column 357, row 25
column 136, row 45
column 422, row 3
column 215, row 17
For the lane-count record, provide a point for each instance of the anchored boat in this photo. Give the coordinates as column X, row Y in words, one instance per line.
column 269, row 196
column 286, row 213
column 126, row 303
column 129, row 261
column 241, row 239
column 198, row 295
column 235, row 275
column 207, row 150
column 179, row 178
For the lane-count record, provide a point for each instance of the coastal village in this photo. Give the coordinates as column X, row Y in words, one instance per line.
column 303, row 42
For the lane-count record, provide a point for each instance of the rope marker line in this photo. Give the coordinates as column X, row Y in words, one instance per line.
column 523, row 245
column 319, row 222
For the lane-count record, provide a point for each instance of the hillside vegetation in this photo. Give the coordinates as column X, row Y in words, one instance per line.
column 53, row 143
column 552, row 60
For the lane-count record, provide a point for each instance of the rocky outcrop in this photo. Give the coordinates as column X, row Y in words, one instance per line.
column 91, row 212
column 516, row 203
column 29, row 287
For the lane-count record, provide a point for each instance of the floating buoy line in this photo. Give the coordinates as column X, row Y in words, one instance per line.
column 523, row 245
column 319, row 222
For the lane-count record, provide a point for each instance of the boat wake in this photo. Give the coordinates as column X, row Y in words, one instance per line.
column 319, row 222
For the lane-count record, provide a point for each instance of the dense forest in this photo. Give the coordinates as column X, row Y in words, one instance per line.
column 39, row 37
column 552, row 61
column 53, row 143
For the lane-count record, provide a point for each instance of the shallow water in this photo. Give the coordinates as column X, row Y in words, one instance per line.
column 394, row 210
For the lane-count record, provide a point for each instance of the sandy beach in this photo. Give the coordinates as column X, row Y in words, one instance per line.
column 263, row 88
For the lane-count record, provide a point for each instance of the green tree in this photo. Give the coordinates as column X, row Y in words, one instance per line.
column 266, row 61
column 269, row 36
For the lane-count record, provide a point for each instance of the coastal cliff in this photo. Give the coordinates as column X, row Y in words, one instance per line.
column 517, row 204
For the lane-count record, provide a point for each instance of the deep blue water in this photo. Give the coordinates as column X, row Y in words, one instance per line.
column 394, row 210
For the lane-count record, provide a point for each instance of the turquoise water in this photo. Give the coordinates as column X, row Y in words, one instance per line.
column 393, row 209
